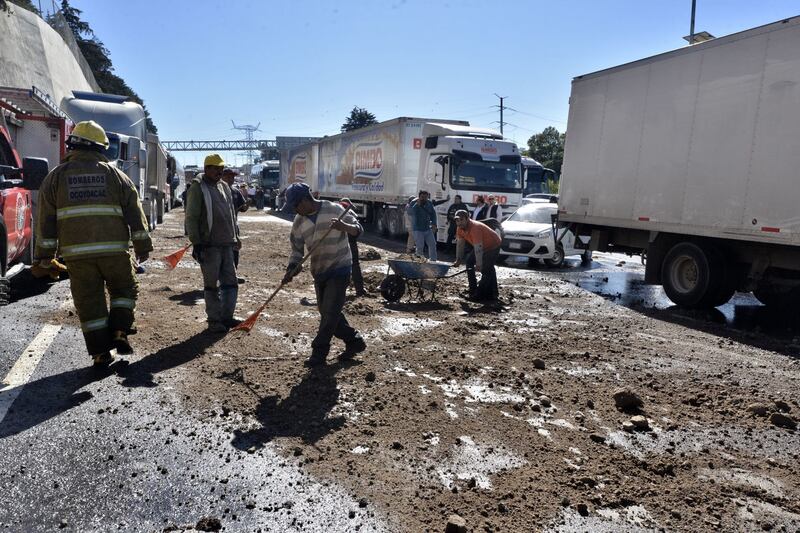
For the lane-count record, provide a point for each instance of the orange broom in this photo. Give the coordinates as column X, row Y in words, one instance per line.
column 248, row 323
column 174, row 258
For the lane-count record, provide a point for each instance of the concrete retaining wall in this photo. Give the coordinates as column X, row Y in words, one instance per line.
column 34, row 54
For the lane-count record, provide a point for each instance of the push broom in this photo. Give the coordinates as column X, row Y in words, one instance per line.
column 250, row 321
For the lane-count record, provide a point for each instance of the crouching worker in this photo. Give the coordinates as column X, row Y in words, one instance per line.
column 485, row 248
column 211, row 225
column 331, row 265
column 89, row 212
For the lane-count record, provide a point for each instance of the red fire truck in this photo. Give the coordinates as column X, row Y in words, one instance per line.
column 33, row 132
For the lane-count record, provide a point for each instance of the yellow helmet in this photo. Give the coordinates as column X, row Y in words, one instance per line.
column 88, row 132
column 213, row 160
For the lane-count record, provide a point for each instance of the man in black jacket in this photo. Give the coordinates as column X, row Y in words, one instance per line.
column 458, row 205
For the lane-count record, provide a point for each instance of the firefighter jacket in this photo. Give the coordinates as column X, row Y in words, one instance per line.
column 88, row 208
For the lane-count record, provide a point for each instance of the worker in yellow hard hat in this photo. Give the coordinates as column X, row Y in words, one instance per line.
column 89, row 212
column 211, row 227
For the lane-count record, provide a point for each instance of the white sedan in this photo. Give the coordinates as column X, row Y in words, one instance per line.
column 529, row 233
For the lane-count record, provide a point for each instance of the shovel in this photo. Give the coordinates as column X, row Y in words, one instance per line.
column 250, row 321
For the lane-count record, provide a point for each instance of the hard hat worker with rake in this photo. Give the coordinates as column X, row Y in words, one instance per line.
column 323, row 227
column 89, row 212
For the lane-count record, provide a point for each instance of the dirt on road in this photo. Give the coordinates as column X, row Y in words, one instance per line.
column 558, row 410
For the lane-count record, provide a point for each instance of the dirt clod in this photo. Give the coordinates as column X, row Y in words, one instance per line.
column 783, row 421
column 455, row 524
column 370, row 377
column 627, row 400
column 208, row 523
column 758, row 409
column 640, row 422
column 538, row 364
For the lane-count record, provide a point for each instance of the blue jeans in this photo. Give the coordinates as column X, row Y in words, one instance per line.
column 421, row 238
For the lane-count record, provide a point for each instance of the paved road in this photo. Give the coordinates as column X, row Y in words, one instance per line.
column 89, row 450
column 84, row 450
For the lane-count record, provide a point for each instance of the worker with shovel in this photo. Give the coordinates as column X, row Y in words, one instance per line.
column 331, row 265
column 211, row 225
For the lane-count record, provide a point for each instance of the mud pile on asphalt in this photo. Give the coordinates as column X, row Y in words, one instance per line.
column 504, row 415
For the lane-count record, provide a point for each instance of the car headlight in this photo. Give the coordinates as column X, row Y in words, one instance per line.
column 544, row 234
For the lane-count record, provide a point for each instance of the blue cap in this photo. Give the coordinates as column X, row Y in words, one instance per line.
column 295, row 193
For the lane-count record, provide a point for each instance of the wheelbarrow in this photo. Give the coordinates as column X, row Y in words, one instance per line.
column 420, row 278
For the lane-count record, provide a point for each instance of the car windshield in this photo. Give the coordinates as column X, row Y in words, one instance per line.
column 534, row 213
column 486, row 176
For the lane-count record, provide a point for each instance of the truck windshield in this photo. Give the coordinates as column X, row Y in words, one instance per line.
column 485, row 176
column 270, row 177
column 112, row 152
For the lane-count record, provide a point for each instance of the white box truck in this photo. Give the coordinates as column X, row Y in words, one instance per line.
column 379, row 167
column 157, row 172
column 692, row 157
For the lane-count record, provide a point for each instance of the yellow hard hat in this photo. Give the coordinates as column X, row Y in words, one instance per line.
column 89, row 132
column 214, row 160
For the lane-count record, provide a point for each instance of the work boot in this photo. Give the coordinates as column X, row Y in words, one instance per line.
column 356, row 346
column 102, row 359
column 120, row 342
column 231, row 322
column 217, row 327
column 314, row 361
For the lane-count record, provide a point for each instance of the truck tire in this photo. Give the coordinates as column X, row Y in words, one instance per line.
column 5, row 291
column 380, row 221
column 694, row 277
column 557, row 261
column 777, row 297
column 160, row 207
column 394, row 222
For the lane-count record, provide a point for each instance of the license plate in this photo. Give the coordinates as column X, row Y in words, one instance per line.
column 514, row 245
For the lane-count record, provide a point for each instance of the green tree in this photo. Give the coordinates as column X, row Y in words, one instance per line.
column 99, row 59
column 25, row 4
column 359, row 117
column 548, row 148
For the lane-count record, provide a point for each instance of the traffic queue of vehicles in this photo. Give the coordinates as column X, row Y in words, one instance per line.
column 33, row 132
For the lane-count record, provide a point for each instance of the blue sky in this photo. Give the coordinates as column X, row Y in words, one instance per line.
column 298, row 67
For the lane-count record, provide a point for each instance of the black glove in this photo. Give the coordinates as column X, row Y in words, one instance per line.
column 291, row 273
column 197, row 252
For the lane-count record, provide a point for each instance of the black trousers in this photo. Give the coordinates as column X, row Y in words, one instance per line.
column 487, row 288
column 332, row 322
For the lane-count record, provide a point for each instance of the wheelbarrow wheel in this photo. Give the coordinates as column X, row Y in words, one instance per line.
column 393, row 287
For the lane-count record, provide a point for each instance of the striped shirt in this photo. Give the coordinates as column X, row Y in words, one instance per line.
column 334, row 251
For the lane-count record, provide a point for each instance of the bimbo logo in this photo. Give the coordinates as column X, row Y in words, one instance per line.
column 299, row 166
column 368, row 160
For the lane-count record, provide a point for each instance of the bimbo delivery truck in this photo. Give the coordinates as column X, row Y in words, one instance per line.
column 379, row 167
column 693, row 157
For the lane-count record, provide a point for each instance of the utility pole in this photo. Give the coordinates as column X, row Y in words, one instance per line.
column 691, row 24
column 502, row 98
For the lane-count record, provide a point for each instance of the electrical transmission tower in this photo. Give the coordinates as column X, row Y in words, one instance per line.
column 502, row 108
column 248, row 130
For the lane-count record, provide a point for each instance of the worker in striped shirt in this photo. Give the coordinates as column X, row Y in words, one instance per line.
column 331, row 265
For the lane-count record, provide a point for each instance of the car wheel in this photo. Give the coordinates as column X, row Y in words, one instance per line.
column 558, row 258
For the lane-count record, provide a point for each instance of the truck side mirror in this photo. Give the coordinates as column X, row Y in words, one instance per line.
column 34, row 170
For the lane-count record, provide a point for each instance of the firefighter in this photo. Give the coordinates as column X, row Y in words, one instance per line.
column 89, row 212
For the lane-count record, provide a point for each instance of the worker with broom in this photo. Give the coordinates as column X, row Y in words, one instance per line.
column 320, row 226
column 211, row 225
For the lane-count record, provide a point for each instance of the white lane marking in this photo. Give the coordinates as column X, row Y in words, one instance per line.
column 23, row 369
